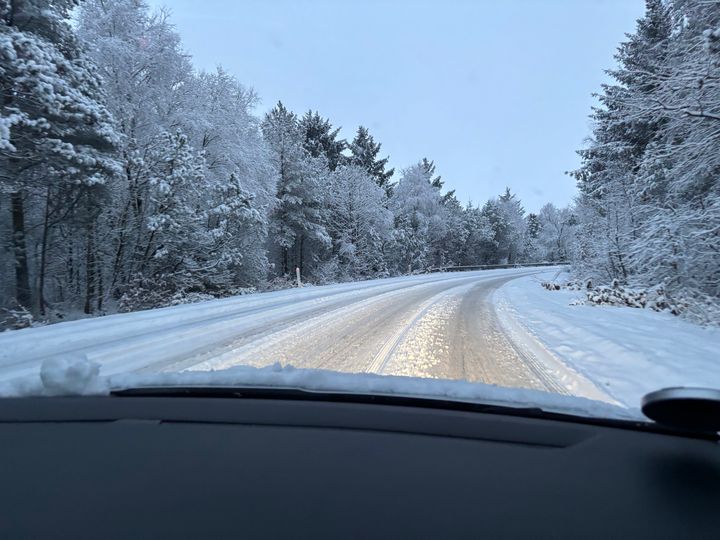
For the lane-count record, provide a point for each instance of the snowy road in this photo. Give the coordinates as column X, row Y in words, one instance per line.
column 440, row 328
column 437, row 325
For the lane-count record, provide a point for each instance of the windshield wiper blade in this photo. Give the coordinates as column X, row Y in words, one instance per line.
column 429, row 402
column 266, row 392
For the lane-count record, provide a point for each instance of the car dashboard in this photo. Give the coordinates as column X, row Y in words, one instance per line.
column 205, row 466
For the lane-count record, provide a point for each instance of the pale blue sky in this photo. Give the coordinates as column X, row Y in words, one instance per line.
column 496, row 92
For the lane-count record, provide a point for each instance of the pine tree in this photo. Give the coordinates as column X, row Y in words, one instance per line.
column 511, row 227
column 480, row 244
column 358, row 223
column 321, row 139
column 429, row 167
column 419, row 219
column 364, row 153
column 532, row 251
column 648, row 182
column 298, row 219
column 450, row 247
column 623, row 130
column 57, row 139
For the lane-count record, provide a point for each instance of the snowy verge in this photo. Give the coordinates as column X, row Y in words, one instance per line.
column 626, row 352
column 78, row 376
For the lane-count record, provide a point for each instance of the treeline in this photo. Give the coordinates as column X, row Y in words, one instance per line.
column 649, row 204
column 131, row 180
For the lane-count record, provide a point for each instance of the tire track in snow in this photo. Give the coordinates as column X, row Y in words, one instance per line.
column 255, row 350
column 381, row 359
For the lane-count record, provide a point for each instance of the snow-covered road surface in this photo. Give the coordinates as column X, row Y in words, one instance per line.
column 436, row 326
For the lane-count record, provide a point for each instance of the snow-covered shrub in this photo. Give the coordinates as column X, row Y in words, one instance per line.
column 572, row 285
column 239, row 291
column 149, row 293
column 703, row 310
column 182, row 297
column 551, row 285
column 16, row 318
column 655, row 298
column 279, row 283
column 143, row 293
column 329, row 272
column 616, row 295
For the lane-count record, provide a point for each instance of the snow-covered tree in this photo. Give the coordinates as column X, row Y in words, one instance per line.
column 531, row 249
column 298, row 221
column 364, row 153
column 240, row 180
column 145, row 74
column 451, row 247
column 512, row 216
column 419, row 222
column 56, row 138
column 358, row 223
column 480, row 244
column 555, row 233
column 608, row 178
column 648, row 184
column 321, row 139
column 506, row 218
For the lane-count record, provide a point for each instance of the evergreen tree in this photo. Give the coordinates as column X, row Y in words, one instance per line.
column 512, row 217
column 429, row 167
column 419, row 222
column 298, row 217
column 321, row 139
column 364, row 153
column 480, row 244
column 450, row 249
column 57, row 139
column 532, row 251
column 358, row 223
column 648, row 182
column 623, row 130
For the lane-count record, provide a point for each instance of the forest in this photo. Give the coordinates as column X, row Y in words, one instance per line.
column 129, row 179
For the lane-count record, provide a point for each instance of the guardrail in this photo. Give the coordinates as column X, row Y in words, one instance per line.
column 493, row 266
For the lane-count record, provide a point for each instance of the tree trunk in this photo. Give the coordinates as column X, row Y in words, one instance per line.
column 302, row 253
column 22, row 274
column 43, row 256
column 120, row 250
column 70, row 268
column 90, row 270
column 100, row 291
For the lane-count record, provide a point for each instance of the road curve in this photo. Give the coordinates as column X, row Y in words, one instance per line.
column 446, row 329
column 435, row 325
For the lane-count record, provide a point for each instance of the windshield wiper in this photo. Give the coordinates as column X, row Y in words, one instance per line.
column 300, row 394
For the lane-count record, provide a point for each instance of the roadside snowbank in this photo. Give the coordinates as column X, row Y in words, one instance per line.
column 626, row 352
column 79, row 376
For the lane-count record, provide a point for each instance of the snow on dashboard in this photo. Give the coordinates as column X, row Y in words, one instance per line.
column 78, row 376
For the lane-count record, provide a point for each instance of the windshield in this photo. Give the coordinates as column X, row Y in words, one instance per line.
column 502, row 202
